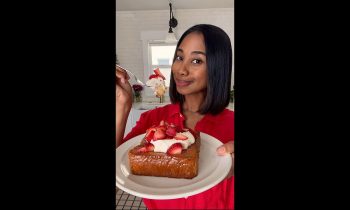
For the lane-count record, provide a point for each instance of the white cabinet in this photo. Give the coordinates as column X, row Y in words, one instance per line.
column 134, row 116
column 136, row 111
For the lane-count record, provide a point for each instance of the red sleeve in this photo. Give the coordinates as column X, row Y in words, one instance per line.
column 220, row 126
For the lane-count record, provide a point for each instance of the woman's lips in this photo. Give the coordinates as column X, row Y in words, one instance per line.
column 182, row 83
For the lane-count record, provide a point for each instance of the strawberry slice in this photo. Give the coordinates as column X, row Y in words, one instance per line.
column 149, row 135
column 149, row 147
column 172, row 125
column 161, row 127
column 142, row 149
column 175, row 149
column 157, row 71
column 151, row 128
column 180, row 136
column 170, row 131
column 179, row 129
column 159, row 134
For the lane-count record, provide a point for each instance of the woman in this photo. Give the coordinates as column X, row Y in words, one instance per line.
column 200, row 91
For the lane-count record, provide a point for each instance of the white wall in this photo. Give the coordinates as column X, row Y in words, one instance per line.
column 130, row 24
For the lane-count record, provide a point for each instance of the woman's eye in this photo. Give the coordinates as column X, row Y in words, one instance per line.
column 179, row 58
column 196, row 61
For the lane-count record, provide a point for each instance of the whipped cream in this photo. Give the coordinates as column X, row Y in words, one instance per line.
column 162, row 145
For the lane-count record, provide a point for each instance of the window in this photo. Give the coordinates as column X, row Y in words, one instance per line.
column 157, row 54
column 161, row 56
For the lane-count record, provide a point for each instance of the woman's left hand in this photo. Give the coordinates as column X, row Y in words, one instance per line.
column 224, row 149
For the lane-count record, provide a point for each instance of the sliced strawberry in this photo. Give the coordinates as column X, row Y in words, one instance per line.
column 151, row 128
column 142, row 149
column 179, row 129
column 170, row 131
column 161, row 127
column 149, row 147
column 162, row 123
column 175, row 149
column 159, row 134
column 149, row 135
column 180, row 121
column 157, row 71
column 180, row 136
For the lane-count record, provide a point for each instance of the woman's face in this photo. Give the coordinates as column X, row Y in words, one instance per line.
column 190, row 67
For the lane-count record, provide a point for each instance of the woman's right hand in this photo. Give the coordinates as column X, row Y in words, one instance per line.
column 123, row 103
column 123, row 89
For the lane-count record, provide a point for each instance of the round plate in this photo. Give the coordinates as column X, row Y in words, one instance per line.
column 212, row 170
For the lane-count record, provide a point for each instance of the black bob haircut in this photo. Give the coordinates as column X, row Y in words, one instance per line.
column 219, row 69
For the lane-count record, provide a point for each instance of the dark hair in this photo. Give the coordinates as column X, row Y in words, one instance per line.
column 219, row 69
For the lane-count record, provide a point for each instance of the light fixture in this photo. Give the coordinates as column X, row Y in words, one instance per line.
column 170, row 37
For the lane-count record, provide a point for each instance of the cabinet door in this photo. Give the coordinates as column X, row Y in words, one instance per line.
column 134, row 116
column 129, row 123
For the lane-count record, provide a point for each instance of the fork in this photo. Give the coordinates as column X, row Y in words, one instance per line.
column 129, row 72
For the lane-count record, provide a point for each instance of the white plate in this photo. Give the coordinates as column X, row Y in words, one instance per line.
column 212, row 170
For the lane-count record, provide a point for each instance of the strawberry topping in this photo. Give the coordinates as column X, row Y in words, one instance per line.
column 175, row 149
column 149, row 147
column 142, row 149
column 170, row 131
column 180, row 136
column 159, row 134
column 165, row 131
column 149, row 135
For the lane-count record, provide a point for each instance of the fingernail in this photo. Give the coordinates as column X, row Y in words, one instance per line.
column 221, row 150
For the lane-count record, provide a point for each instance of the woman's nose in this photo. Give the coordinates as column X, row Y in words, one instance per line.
column 183, row 69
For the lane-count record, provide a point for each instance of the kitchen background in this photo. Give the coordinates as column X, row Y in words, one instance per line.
column 142, row 23
column 141, row 27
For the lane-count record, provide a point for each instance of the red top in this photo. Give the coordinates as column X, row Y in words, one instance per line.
column 219, row 126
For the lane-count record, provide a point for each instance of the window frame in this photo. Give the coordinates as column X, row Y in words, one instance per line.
column 152, row 38
column 150, row 64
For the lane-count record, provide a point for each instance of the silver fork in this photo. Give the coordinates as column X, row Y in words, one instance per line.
column 129, row 72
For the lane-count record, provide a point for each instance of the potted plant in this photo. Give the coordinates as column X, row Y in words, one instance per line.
column 137, row 92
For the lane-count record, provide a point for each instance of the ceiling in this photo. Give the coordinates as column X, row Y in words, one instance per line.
column 131, row 5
